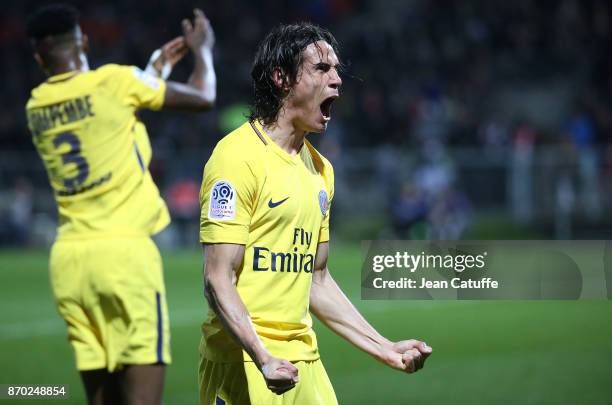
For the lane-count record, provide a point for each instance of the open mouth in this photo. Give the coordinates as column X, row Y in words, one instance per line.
column 326, row 107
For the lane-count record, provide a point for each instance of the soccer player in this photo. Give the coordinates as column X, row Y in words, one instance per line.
column 264, row 226
column 106, row 272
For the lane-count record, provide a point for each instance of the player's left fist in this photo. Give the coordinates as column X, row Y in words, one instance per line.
column 407, row 355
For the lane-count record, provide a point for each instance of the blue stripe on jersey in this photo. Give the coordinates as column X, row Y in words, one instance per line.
column 219, row 401
column 160, row 331
column 140, row 162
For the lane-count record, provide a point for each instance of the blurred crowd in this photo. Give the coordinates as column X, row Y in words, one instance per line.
column 421, row 79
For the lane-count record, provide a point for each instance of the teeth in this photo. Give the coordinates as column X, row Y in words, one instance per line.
column 326, row 109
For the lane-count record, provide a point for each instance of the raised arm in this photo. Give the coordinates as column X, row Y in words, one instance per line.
column 221, row 262
column 333, row 308
column 200, row 91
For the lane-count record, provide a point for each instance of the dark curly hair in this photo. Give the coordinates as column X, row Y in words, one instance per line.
column 52, row 20
column 281, row 49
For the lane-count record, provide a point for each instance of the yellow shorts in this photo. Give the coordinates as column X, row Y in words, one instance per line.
column 243, row 384
column 111, row 294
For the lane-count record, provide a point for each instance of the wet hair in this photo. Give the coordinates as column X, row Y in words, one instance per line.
column 281, row 49
column 52, row 21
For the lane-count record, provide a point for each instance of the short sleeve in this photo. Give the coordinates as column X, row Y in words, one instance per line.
column 137, row 88
column 227, row 199
column 329, row 179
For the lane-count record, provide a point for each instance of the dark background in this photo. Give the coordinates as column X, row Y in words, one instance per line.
column 458, row 120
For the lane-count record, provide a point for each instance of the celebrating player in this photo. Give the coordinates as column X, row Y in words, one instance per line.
column 106, row 272
column 264, row 225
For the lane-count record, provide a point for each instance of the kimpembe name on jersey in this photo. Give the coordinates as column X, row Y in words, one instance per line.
column 286, row 262
column 45, row 118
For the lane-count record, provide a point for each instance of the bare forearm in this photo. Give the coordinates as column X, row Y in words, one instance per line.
column 203, row 77
column 224, row 300
column 333, row 308
column 200, row 91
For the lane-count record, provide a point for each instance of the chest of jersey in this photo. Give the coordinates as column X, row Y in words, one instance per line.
column 291, row 203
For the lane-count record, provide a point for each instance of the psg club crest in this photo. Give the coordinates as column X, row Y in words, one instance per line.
column 323, row 202
column 222, row 201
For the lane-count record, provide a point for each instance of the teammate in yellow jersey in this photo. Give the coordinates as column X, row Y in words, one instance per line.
column 265, row 201
column 106, row 273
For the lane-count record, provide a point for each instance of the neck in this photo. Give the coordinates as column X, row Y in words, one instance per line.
column 284, row 133
column 69, row 65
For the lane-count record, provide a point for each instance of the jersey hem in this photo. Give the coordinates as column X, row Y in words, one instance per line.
column 216, row 359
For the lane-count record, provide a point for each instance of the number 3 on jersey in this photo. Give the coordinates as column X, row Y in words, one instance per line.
column 73, row 155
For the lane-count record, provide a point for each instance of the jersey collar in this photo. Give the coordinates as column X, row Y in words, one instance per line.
column 63, row 76
column 261, row 133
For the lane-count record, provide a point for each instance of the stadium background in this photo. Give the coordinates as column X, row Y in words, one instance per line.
column 458, row 119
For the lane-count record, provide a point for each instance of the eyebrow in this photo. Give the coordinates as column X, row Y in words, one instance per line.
column 317, row 64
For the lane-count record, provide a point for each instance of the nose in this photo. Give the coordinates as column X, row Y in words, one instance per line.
column 334, row 81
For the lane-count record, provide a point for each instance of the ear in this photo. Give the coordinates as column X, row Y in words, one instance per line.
column 85, row 43
column 280, row 79
column 39, row 60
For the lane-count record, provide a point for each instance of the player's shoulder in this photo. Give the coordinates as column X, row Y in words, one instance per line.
column 116, row 74
column 239, row 147
column 242, row 144
column 33, row 100
column 113, row 73
column 39, row 95
column 112, row 68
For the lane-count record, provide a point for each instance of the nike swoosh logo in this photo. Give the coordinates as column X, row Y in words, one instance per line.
column 276, row 204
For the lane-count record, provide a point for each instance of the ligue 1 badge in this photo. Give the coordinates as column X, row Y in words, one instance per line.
column 222, row 203
column 323, row 201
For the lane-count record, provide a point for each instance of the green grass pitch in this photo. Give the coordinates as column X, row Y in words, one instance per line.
column 484, row 352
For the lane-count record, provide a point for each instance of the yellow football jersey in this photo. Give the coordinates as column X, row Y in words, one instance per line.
column 143, row 143
column 277, row 205
column 84, row 127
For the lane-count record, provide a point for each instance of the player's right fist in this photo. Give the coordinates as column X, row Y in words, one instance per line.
column 280, row 375
column 407, row 355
